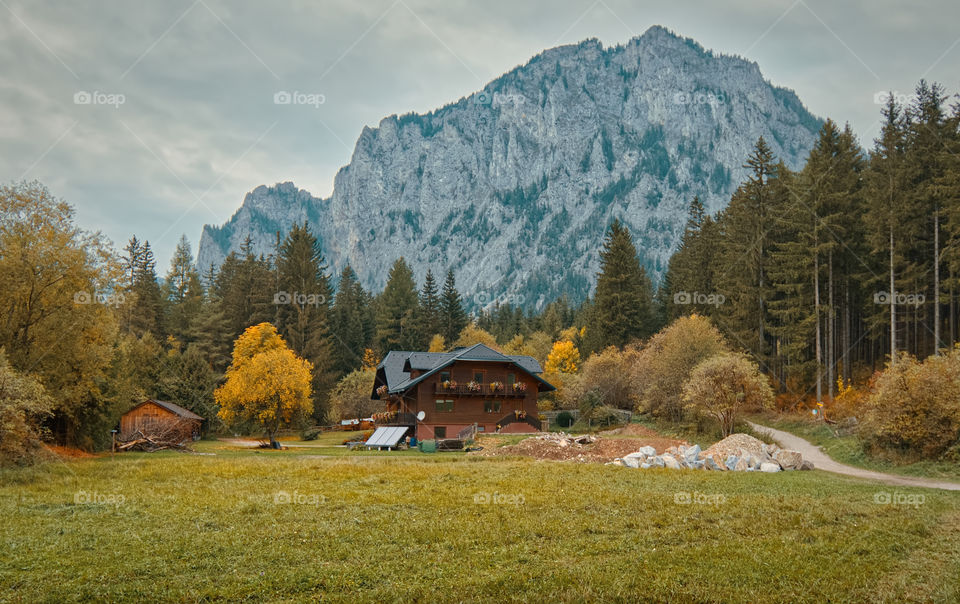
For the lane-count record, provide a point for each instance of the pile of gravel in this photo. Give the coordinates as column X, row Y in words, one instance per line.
column 737, row 452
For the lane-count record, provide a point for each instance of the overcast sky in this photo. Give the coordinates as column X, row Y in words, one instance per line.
column 153, row 118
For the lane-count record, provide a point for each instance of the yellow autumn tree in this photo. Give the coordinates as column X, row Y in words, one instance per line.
column 563, row 358
column 472, row 334
column 437, row 343
column 267, row 384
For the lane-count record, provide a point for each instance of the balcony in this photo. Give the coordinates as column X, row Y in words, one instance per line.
column 484, row 390
column 395, row 419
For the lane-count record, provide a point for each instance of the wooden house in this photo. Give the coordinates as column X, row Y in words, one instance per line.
column 456, row 389
column 152, row 415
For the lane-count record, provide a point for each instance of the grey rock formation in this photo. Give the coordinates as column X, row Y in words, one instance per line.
column 513, row 186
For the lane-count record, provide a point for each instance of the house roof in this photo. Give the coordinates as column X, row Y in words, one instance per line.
column 394, row 370
column 171, row 407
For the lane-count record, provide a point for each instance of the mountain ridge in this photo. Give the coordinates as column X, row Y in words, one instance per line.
column 513, row 185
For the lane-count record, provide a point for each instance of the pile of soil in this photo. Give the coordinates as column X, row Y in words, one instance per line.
column 552, row 447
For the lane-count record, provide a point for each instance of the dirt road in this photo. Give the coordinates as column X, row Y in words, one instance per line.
column 822, row 462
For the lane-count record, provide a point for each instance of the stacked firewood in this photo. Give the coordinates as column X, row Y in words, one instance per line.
column 168, row 434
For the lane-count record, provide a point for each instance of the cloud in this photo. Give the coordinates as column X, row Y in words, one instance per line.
column 199, row 77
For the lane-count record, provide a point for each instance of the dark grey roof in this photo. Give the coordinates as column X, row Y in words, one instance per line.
column 172, row 407
column 394, row 370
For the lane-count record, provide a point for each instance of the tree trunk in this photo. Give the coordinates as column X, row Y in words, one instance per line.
column 936, row 281
column 893, row 307
column 816, row 304
column 831, row 336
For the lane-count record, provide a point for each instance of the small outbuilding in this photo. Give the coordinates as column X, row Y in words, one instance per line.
column 152, row 416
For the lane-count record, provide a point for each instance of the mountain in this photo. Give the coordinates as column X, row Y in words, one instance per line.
column 514, row 185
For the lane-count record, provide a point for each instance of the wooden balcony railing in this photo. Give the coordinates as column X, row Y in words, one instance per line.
column 507, row 390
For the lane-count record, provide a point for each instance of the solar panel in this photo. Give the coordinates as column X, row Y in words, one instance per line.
column 387, row 436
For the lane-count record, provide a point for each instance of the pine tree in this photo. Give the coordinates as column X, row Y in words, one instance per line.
column 183, row 292
column 303, row 308
column 351, row 320
column 742, row 276
column 623, row 302
column 430, row 311
column 396, row 311
column 453, row 317
column 145, row 308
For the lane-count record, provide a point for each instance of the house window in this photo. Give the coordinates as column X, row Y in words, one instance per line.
column 481, row 428
column 444, row 376
column 491, row 406
column 440, row 432
column 478, row 377
column 511, row 378
column 444, row 405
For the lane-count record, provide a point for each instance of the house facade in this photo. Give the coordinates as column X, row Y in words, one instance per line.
column 456, row 389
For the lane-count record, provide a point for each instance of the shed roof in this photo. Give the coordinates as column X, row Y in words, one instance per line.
column 171, row 407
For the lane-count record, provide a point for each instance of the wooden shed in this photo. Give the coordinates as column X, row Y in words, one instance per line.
column 152, row 415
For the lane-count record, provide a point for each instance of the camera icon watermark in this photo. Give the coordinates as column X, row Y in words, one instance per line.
column 698, row 498
column 83, row 97
column 282, row 298
column 885, row 96
column 484, row 98
column 111, row 299
column 314, row 99
column 902, row 499
column 899, row 299
column 95, row 498
column 484, row 299
column 684, row 298
column 496, row 498
column 298, row 498
column 699, row 98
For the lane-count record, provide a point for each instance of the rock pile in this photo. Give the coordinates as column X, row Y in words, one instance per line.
column 737, row 453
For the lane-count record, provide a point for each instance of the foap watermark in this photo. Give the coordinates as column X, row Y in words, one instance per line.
column 97, row 97
column 884, row 96
column 486, row 298
column 496, row 498
column 699, row 98
column 899, row 299
column 111, row 299
column 914, row 500
column 687, row 298
column 298, row 498
column 698, row 498
column 96, row 498
column 314, row 99
column 298, row 299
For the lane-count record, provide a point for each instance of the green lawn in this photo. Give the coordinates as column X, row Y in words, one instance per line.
column 363, row 527
column 846, row 448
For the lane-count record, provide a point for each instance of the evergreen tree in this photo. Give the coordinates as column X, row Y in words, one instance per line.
column 183, row 292
column 352, row 322
column 303, row 308
column 245, row 286
column 144, row 310
column 430, row 311
column 622, row 306
column 396, row 311
column 453, row 317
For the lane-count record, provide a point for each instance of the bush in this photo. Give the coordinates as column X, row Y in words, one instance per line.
column 350, row 398
column 23, row 405
column 311, row 433
column 565, row 419
column 667, row 360
column 723, row 386
column 914, row 408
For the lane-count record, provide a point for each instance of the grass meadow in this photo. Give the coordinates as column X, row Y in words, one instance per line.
column 322, row 523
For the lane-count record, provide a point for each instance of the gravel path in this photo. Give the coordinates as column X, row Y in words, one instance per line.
column 822, row 462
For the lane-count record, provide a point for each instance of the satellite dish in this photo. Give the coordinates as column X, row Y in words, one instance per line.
column 420, row 416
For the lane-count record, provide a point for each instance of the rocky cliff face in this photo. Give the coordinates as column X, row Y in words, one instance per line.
column 513, row 186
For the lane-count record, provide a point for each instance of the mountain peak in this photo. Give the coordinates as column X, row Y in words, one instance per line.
column 513, row 186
